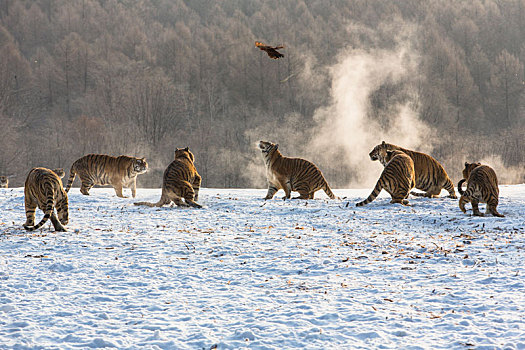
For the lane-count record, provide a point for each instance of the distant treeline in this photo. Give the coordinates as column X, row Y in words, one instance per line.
column 141, row 77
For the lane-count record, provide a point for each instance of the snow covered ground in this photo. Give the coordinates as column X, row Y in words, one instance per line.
column 245, row 273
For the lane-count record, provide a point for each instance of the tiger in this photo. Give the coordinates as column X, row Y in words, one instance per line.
column 431, row 177
column 60, row 172
column 482, row 186
column 43, row 189
column 180, row 180
column 398, row 178
column 4, row 182
column 291, row 174
column 101, row 169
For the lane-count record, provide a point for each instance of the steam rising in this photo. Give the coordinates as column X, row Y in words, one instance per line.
column 505, row 174
column 346, row 122
column 373, row 97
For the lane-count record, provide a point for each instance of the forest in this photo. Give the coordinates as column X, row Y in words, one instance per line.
column 142, row 77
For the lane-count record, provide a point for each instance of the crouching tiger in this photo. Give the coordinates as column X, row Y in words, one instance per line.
column 180, row 180
column 101, row 169
column 43, row 189
column 431, row 177
column 482, row 186
column 397, row 178
column 291, row 174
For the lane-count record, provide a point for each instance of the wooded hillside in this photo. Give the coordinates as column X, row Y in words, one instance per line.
column 143, row 77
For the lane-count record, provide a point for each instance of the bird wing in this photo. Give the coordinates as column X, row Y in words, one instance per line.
column 271, row 51
column 274, row 54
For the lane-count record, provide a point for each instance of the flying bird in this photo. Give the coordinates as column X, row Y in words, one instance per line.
column 271, row 51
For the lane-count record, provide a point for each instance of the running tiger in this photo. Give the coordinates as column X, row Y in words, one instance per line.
column 397, row 178
column 4, row 182
column 291, row 174
column 101, row 169
column 180, row 180
column 43, row 189
column 431, row 177
column 482, row 186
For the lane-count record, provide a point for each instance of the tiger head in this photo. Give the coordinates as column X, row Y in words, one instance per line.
column 380, row 152
column 140, row 166
column 60, row 172
column 4, row 181
column 267, row 147
column 184, row 153
column 468, row 169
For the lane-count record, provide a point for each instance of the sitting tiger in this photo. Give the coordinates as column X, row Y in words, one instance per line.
column 43, row 189
column 180, row 180
column 101, row 169
column 291, row 174
column 431, row 177
column 482, row 186
column 4, row 182
column 397, row 178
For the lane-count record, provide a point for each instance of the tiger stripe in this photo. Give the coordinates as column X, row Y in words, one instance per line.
column 291, row 174
column 43, row 189
column 180, row 181
column 4, row 182
column 397, row 178
column 60, row 172
column 431, row 177
column 482, row 186
column 460, row 186
column 102, row 169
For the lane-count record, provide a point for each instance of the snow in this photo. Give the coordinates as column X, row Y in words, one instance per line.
column 247, row 273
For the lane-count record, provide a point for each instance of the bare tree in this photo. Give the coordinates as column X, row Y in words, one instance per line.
column 506, row 87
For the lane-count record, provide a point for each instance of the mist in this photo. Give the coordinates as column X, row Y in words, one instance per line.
column 434, row 77
column 343, row 132
column 347, row 124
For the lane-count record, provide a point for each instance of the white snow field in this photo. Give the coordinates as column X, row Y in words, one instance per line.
column 247, row 273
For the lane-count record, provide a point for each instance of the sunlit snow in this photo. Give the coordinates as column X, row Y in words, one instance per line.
column 247, row 273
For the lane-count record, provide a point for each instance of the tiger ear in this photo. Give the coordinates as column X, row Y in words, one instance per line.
column 383, row 143
column 187, row 149
column 466, row 164
column 276, row 145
